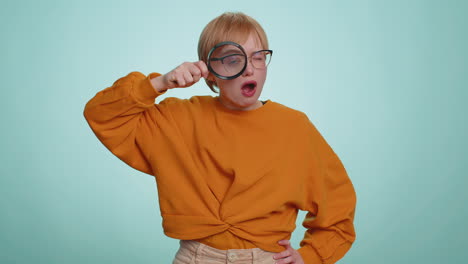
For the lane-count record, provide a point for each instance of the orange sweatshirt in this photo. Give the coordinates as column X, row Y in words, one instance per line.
column 230, row 179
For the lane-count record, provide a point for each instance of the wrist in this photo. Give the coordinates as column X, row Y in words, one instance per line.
column 157, row 81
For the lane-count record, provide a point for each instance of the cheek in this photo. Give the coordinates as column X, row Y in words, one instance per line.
column 229, row 84
column 262, row 76
column 226, row 86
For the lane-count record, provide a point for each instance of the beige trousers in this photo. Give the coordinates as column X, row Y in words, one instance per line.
column 193, row 252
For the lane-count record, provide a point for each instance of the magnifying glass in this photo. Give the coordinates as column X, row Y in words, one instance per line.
column 227, row 60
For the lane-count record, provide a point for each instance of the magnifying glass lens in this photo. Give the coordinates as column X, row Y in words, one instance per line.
column 227, row 60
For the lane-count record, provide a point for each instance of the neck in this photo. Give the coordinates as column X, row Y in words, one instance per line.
column 254, row 106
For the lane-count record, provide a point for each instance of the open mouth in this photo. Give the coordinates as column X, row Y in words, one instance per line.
column 248, row 88
column 249, row 85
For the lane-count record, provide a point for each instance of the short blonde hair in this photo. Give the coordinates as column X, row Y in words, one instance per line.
column 229, row 26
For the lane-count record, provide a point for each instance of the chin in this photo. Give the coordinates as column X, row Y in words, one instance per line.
column 251, row 103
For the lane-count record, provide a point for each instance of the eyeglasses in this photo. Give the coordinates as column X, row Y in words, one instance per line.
column 233, row 62
column 228, row 60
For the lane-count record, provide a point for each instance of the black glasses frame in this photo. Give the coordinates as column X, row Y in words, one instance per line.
column 271, row 55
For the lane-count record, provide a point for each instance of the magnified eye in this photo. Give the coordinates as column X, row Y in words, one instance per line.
column 232, row 59
column 227, row 60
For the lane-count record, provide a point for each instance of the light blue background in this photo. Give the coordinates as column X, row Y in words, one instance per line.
column 384, row 81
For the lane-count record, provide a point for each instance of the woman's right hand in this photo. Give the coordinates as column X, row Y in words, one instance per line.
column 184, row 75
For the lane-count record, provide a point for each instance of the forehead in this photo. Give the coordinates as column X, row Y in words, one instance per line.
column 250, row 47
column 252, row 43
column 246, row 38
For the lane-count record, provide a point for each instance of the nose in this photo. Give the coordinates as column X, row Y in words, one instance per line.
column 249, row 70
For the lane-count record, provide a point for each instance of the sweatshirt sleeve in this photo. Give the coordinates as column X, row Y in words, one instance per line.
column 330, row 202
column 123, row 117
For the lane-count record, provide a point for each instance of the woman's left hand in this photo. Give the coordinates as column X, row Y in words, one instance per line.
column 290, row 255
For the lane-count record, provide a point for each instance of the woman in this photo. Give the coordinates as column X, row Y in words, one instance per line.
column 232, row 171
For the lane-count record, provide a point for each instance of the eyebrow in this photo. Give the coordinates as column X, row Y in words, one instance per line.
column 258, row 51
column 229, row 51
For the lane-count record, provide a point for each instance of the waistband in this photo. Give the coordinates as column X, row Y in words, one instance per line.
column 200, row 249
